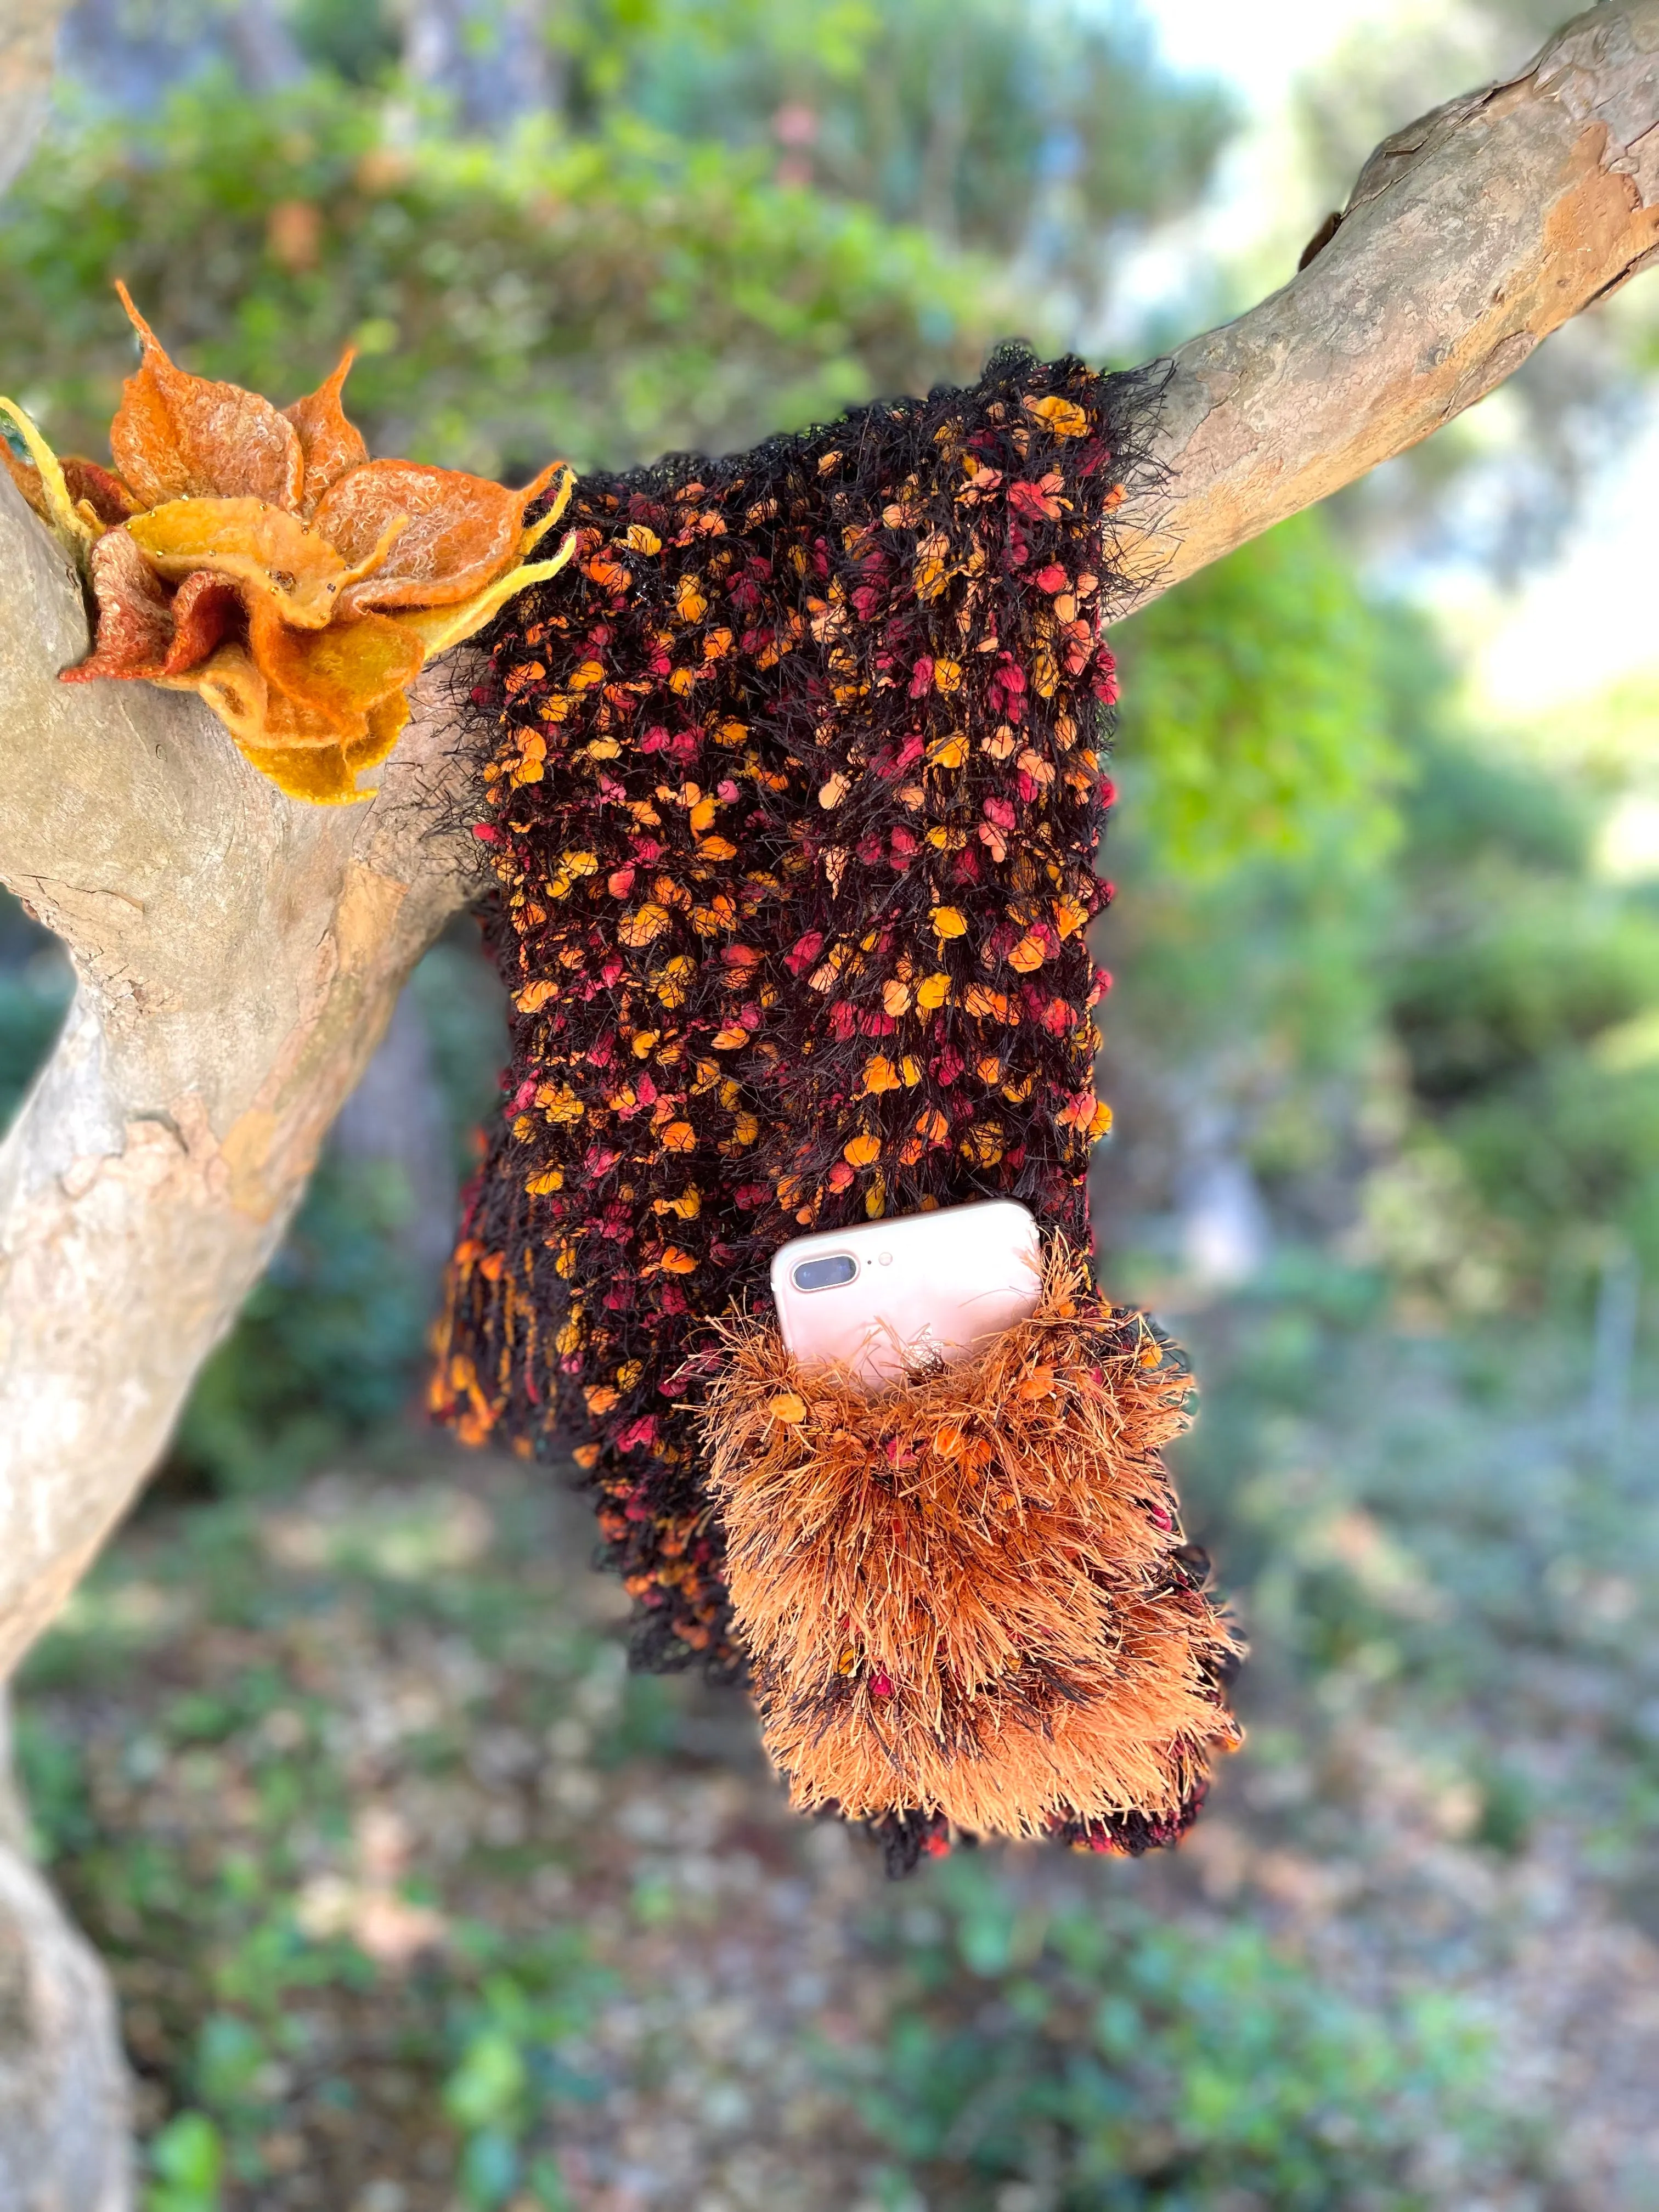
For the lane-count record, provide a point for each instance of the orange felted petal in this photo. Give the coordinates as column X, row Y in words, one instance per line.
column 206, row 611
column 290, row 726
column 90, row 485
column 439, row 627
column 463, row 530
column 261, row 719
column 135, row 620
column 332, row 447
column 177, row 436
column 338, row 673
column 274, row 554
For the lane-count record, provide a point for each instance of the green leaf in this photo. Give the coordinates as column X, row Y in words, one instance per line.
column 488, row 2083
column 188, row 2159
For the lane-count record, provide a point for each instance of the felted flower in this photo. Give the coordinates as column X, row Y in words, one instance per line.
column 260, row 559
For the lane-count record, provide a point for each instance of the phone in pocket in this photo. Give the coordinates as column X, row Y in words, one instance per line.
column 889, row 1295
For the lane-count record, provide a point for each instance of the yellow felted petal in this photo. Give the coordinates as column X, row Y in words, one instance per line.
column 53, row 504
column 260, row 717
column 285, row 740
column 272, row 552
column 439, row 627
column 232, row 686
column 386, row 722
column 319, row 774
column 538, row 529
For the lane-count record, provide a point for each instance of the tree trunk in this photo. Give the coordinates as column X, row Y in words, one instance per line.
column 65, row 2137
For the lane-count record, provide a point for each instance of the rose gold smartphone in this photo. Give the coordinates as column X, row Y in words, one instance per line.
column 884, row 1296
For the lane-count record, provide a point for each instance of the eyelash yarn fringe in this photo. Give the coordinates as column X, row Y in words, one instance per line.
column 970, row 1591
column 793, row 790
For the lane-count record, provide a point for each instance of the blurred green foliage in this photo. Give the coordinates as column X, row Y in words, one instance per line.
column 1382, row 938
column 245, row 1981
column 1256, row 722
column 187, row 2158
column 1120, row 2064
column 725, row 221
column 604, row 297
column 1523, row 990
column 1050, row 133
column 1070, row 2039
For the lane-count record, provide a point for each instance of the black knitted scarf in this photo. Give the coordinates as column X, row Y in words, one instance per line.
column 793, row 790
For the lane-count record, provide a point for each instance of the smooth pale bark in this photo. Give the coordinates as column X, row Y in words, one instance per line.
column 237, row 959
column 65, row 2130
column 65, row 2120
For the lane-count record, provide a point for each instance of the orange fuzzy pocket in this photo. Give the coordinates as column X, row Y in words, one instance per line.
column 969, row 1594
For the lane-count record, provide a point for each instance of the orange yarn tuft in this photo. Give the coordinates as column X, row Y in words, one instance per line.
column 969, row 1592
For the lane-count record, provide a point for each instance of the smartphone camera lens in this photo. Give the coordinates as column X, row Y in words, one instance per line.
column 826, row 1274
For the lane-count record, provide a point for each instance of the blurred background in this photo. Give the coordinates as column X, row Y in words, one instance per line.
column 415, row 1902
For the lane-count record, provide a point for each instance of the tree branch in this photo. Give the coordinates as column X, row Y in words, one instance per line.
column 239, row 956
column 1470, row 235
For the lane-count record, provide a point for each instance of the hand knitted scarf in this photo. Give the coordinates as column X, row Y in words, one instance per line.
column 793, row 789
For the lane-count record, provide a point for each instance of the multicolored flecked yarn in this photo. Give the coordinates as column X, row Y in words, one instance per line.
column 793, row 790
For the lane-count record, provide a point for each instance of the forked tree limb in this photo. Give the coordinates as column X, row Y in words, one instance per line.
column 238, row 956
